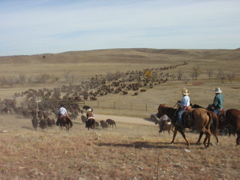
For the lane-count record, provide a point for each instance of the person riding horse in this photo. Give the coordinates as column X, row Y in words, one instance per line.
column 90, row 119
column 217, row 105
column 62, row 113
column 183, row 105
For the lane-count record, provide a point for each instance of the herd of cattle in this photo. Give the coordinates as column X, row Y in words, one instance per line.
column 40, row 105
column 43, row 121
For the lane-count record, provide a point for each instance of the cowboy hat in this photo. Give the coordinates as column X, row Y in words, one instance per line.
column 217, row 90
column 89, row 110
column 185, row 91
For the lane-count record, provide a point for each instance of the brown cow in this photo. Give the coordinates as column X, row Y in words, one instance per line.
column 103, row 124
column 35, row 122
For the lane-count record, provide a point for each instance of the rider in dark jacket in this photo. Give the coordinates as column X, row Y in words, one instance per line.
column 218, row 101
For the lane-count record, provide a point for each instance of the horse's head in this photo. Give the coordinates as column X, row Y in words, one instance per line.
column 161, row 111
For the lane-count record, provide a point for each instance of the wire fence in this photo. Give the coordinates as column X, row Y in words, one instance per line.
column 121, row 105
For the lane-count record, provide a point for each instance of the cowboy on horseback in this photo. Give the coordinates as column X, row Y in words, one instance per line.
column 90, row 119
column 62, row 112
column 183, row 105
column 218, row 101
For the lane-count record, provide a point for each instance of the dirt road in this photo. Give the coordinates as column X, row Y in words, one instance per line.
column 124, row 119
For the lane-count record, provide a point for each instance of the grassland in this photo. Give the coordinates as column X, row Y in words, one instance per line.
column 130, row 151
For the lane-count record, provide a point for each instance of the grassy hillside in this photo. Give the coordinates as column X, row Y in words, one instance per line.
column 82, row 65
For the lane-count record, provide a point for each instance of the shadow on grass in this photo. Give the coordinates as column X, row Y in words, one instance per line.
column 141, row 144
column 29, row 128
column 149, row 120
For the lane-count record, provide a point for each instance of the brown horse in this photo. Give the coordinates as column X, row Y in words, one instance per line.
column 64, row 122
column 213, row 127
column 232, row 117
column 201, row 121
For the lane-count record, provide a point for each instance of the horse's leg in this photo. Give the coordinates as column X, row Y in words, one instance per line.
column 238, row 138
column 200, row 136
column 174, row 135
column 215, row 135
column 207, row 138
column 183, row 135
column 214, row 131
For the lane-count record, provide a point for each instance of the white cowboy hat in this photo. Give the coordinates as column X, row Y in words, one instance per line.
column 217, row 90
column 89, row 110
column 185, row 91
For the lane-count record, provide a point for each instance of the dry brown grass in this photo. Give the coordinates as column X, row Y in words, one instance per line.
column 131, row 150
column 126, row 152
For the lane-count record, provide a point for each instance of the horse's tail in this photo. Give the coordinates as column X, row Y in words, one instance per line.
column 215, row 120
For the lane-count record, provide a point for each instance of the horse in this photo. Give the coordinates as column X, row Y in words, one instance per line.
column 64, row 122
column 201, row 121
column 172, row 114
column 232, row 117
column 213, row 127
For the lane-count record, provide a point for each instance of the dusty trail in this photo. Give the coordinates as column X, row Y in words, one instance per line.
column 124, row 119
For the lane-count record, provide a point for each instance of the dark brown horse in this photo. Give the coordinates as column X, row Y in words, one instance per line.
column 64, row 122
column 232, row 117
column 201, row 121
column 172, row 114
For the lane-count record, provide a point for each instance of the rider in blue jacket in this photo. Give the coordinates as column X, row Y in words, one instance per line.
column 183, row 105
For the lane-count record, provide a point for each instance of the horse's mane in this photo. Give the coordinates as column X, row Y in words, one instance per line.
column 166, row 107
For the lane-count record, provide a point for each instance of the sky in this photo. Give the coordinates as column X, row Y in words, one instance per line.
column 29, row 27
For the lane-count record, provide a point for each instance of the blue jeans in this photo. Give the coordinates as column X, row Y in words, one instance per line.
column 216, row 110
column 180, row 112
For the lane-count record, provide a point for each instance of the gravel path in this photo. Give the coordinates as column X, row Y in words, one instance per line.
column 124, row 119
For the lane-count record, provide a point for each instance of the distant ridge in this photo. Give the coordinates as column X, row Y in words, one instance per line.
column 133, row 55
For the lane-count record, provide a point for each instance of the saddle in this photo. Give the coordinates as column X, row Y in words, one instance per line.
column 187, row 120
column 221, row 114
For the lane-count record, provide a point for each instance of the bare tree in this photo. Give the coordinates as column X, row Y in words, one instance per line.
column 231, row 77
column 70, row 78
column 221, row 75
column 192, row 75
column 195, row 73
column 209, row 72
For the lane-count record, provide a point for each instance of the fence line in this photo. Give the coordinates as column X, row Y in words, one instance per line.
column 121, row 105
